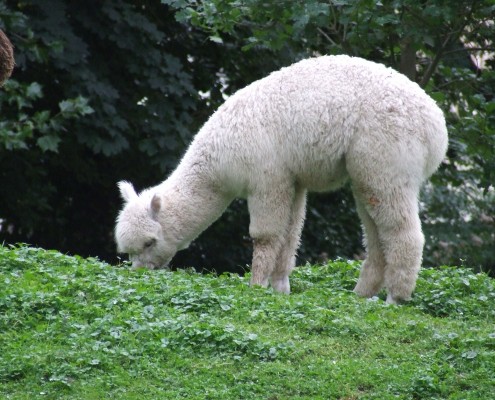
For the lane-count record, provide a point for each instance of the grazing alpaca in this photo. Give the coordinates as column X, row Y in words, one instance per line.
column 308, row 127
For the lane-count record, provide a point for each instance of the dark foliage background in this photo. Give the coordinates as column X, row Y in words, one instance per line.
column 104, row 91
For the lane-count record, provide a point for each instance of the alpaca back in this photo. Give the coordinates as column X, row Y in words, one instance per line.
column 303, row 120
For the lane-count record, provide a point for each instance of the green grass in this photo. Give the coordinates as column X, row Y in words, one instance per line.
column 73, row 328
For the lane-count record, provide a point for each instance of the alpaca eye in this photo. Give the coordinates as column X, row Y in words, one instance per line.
column 149, row 243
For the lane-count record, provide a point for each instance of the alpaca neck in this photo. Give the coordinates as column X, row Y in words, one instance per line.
column 192, row 202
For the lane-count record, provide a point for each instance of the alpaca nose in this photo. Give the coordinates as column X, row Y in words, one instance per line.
column 137, row 263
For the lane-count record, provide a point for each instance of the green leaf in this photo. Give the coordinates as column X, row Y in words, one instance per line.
column 66, row 106
column 34, row 91
column 216, row 39
column 41, row 117
column 48, row 143
column 490, row 107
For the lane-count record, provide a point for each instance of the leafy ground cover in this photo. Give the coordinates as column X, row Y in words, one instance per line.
column 74, row 328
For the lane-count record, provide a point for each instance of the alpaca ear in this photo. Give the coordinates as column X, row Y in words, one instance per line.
column 156, row 205
column 127, row 191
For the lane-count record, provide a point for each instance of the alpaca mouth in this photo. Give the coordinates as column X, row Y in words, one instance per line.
column 148, row 265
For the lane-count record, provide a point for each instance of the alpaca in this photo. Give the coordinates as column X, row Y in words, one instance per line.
column 311, row 126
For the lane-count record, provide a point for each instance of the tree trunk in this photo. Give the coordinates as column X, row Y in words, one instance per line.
column 6, row 57
column 408, row 59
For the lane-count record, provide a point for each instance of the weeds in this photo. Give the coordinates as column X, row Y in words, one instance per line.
column 81, row 329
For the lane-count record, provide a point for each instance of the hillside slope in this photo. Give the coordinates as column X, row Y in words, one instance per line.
column 73, row 328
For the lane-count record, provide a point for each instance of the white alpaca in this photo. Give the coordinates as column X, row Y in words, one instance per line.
column 308, row 127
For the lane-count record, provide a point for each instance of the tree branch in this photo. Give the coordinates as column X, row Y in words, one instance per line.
column 408, row 58
column 468, row 49
column 325, row 35
column 441, row 50
column 433, row 65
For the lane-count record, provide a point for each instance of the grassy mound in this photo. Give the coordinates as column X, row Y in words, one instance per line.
column 73, row 328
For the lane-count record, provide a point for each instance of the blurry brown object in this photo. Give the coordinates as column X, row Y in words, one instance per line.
column 6, row 57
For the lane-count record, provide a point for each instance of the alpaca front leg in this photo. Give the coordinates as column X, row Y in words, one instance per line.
column 286, row 260
column 264, row 258
column 270, row 213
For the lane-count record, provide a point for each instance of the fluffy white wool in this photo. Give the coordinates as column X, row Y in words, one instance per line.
column 308, row 127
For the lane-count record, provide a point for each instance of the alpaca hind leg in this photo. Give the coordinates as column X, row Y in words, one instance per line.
column 399, row 229
column 286, row 259
column 403, row 251
column 372, row 272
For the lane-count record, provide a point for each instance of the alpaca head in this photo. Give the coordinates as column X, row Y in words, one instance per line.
column 138, row 231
